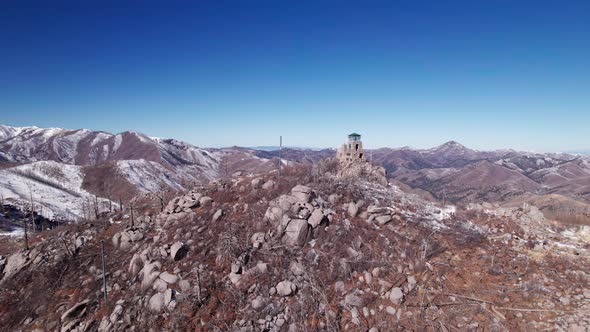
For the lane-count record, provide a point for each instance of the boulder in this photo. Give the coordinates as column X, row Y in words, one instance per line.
column 178, row 251
column 150, row 272
column 77, row 311
column 296, row 232
column 256, row 183
column 333, row 199
column 184, row 285
column 353, row 299
column 297, row 269
column 157, row 302
column 285, row 202
column 258, row 239
column 317, row 217
column 375, row 209
column 353, row 209
column 258, row 303
column 383, row 220
column 169, row 297
column 205, row 201
column 190, row 204
column 286, row 288
column 269, row 185
column 396, row 295
column 218, row 214
column 302, row 193
column 168, row 277
column 14, row 264
column 273, row 214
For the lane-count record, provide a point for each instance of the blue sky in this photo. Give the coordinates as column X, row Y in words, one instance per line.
column 489, row 74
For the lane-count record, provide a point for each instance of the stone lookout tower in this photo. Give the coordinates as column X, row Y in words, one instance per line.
column 353, row 150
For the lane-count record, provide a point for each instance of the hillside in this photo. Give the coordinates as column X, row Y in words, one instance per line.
column 302, row 253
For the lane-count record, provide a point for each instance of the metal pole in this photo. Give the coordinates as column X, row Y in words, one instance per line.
column 104, row 277
column 280, row 151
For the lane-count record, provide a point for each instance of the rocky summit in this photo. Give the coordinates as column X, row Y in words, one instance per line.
column 300, row 252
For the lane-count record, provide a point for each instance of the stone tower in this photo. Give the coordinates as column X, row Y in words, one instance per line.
column 353, row 150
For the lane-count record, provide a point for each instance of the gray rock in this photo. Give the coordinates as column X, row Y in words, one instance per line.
column 286, row 288
column 333, row 199
column 169, row 296
column 353, row 299
column 396, row 295
column 235, row 278
column 14, row 264
column 391, row 311
column 178, row 251
column 268, row 185
column 156, row 302
column 273, row 214
column 353, row 209
column 258, row 303
column 296, row 232
column 150, row 271
column 77, row 311
column 339, row 287
column 317, row 217
column 256, row 183
column 297, row 269
column 258, row 239
column 205, row 201
column 218, row 214
column 184, row 285
column 169, row 278
column 302, row 193
column 383, row 220
column 285, row 202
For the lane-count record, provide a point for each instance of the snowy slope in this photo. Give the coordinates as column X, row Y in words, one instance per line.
column 56, row 189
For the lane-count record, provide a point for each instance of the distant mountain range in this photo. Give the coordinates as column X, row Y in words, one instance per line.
column 76, row 164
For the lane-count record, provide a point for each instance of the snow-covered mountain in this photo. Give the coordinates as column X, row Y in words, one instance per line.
column 85, row 147
column 55, row 188
column 108, row 165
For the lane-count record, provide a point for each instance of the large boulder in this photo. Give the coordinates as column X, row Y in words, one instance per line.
column 273, row 214
column 302, row 193
column 77, row 311
column 317, row 217
column 268, row 185
column 354, row 299
column 157, row 302
column 285, row 202
column 14, row 264
column 296, row 232
column 396, row 295
column 383, row 220
column 286, row 288
column 205, row 201
column 127, row 237
column 218, row 214
column 178, row 251
column 353, row 209
column 2, row 263
column 150, row 272
column 256, row 183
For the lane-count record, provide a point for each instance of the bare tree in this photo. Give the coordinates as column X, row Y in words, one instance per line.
column 96, row 209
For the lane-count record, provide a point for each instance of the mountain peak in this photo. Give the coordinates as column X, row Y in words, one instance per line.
column 453, row 144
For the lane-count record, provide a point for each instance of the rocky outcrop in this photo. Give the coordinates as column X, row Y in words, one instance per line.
column 296, row 232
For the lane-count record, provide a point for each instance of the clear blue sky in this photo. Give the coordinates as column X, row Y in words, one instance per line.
column 489, row 74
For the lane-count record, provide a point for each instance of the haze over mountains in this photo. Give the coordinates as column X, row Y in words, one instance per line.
column 76, row 164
